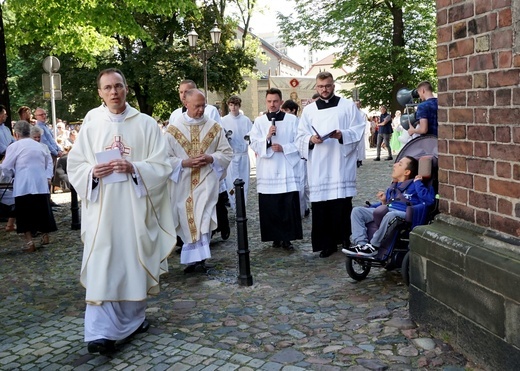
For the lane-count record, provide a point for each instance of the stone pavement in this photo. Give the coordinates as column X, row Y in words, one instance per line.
column 302, row 312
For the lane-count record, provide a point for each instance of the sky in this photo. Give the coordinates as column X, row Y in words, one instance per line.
column 266, row 22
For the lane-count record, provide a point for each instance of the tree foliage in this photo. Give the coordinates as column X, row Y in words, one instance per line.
column 86, row 28
column 390, row 42
column 146, row 39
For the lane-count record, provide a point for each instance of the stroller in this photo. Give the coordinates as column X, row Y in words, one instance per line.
column 394, row 250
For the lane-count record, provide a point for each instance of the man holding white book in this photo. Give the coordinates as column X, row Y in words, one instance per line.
column 329, row 132
column 119, row 168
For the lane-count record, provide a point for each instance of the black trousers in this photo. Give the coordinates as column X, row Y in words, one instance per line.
column 222, row 213
column 331, row 224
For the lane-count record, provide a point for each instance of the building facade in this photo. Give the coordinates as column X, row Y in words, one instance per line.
column 465, row 267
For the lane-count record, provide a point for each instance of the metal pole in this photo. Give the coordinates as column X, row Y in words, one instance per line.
column 74, row 209
column 244, row 267
column 53, row 106
column 205, row 70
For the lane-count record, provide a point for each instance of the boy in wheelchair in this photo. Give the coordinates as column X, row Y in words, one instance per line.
column 406, row 189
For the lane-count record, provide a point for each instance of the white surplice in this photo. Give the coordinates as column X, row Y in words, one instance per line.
column 194, row 192
column 276, row 172
column 127, row 228
column 239, row 126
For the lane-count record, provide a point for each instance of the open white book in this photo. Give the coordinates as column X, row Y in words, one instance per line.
column 107, row 156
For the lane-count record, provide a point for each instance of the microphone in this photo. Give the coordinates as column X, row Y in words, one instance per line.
column 273, row 120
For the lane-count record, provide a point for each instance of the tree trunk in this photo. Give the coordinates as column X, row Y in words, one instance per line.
column 142, row 99
column 4, row 89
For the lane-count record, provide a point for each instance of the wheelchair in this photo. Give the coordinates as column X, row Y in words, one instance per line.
column 394, row 250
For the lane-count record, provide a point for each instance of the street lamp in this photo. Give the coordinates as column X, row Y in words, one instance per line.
column 204, row 54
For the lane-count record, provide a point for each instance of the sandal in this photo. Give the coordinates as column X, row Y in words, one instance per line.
column 45, row 239
column 10, row 228
column 29, row 247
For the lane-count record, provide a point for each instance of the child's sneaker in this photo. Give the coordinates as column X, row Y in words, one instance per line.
column 368, row 250
column 359, row 249
column 353, row 250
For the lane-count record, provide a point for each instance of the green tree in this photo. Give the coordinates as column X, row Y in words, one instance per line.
column 390, row 42
column 4, row 89
column 145, row 38
column 78, row 83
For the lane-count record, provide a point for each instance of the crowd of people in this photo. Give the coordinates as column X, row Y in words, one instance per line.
column 387, row 132
column 148, row 190
column 28, row 154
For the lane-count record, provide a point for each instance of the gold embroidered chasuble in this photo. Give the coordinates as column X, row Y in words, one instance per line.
column 194, row 191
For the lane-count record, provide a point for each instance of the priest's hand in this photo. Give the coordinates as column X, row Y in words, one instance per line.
column 316, row 139
column 121, row 166
column 276, row 147
column 102, row 170
column 198, row 161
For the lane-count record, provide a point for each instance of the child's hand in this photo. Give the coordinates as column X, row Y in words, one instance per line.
column 382, row 196
column 418, row 177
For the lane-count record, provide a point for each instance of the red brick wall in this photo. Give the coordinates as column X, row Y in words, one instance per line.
column 479, row 112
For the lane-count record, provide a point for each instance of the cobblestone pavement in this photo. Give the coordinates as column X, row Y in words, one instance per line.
column 302, row 312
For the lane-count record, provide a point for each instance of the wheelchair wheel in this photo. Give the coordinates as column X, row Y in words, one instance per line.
column 405, row 269
column 358, row 269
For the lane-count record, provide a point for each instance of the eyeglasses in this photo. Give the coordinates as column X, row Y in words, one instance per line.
column 200, row 106
column 40, row 114
column 117, row 87
column 321, row 87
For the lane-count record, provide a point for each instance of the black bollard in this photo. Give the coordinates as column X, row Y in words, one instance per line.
column 74, row 209
column 244, row 268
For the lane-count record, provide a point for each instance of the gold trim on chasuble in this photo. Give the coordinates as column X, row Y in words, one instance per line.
column 193, row 149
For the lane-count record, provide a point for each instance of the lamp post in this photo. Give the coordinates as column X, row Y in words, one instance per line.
column 204, row 54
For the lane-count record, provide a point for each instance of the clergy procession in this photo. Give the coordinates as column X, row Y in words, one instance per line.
column 148, row 194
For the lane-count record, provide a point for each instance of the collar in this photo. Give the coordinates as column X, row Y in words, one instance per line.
column 191, row 121
column 327, row 103
column 116, row 117
column 278, row 116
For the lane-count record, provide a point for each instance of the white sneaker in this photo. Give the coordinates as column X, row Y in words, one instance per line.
column 353, row 250
column 367, row 250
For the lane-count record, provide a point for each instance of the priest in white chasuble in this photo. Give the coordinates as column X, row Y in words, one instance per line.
column 199, row 154
column 120, row 169
column 328, row 135
column 273, row 140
